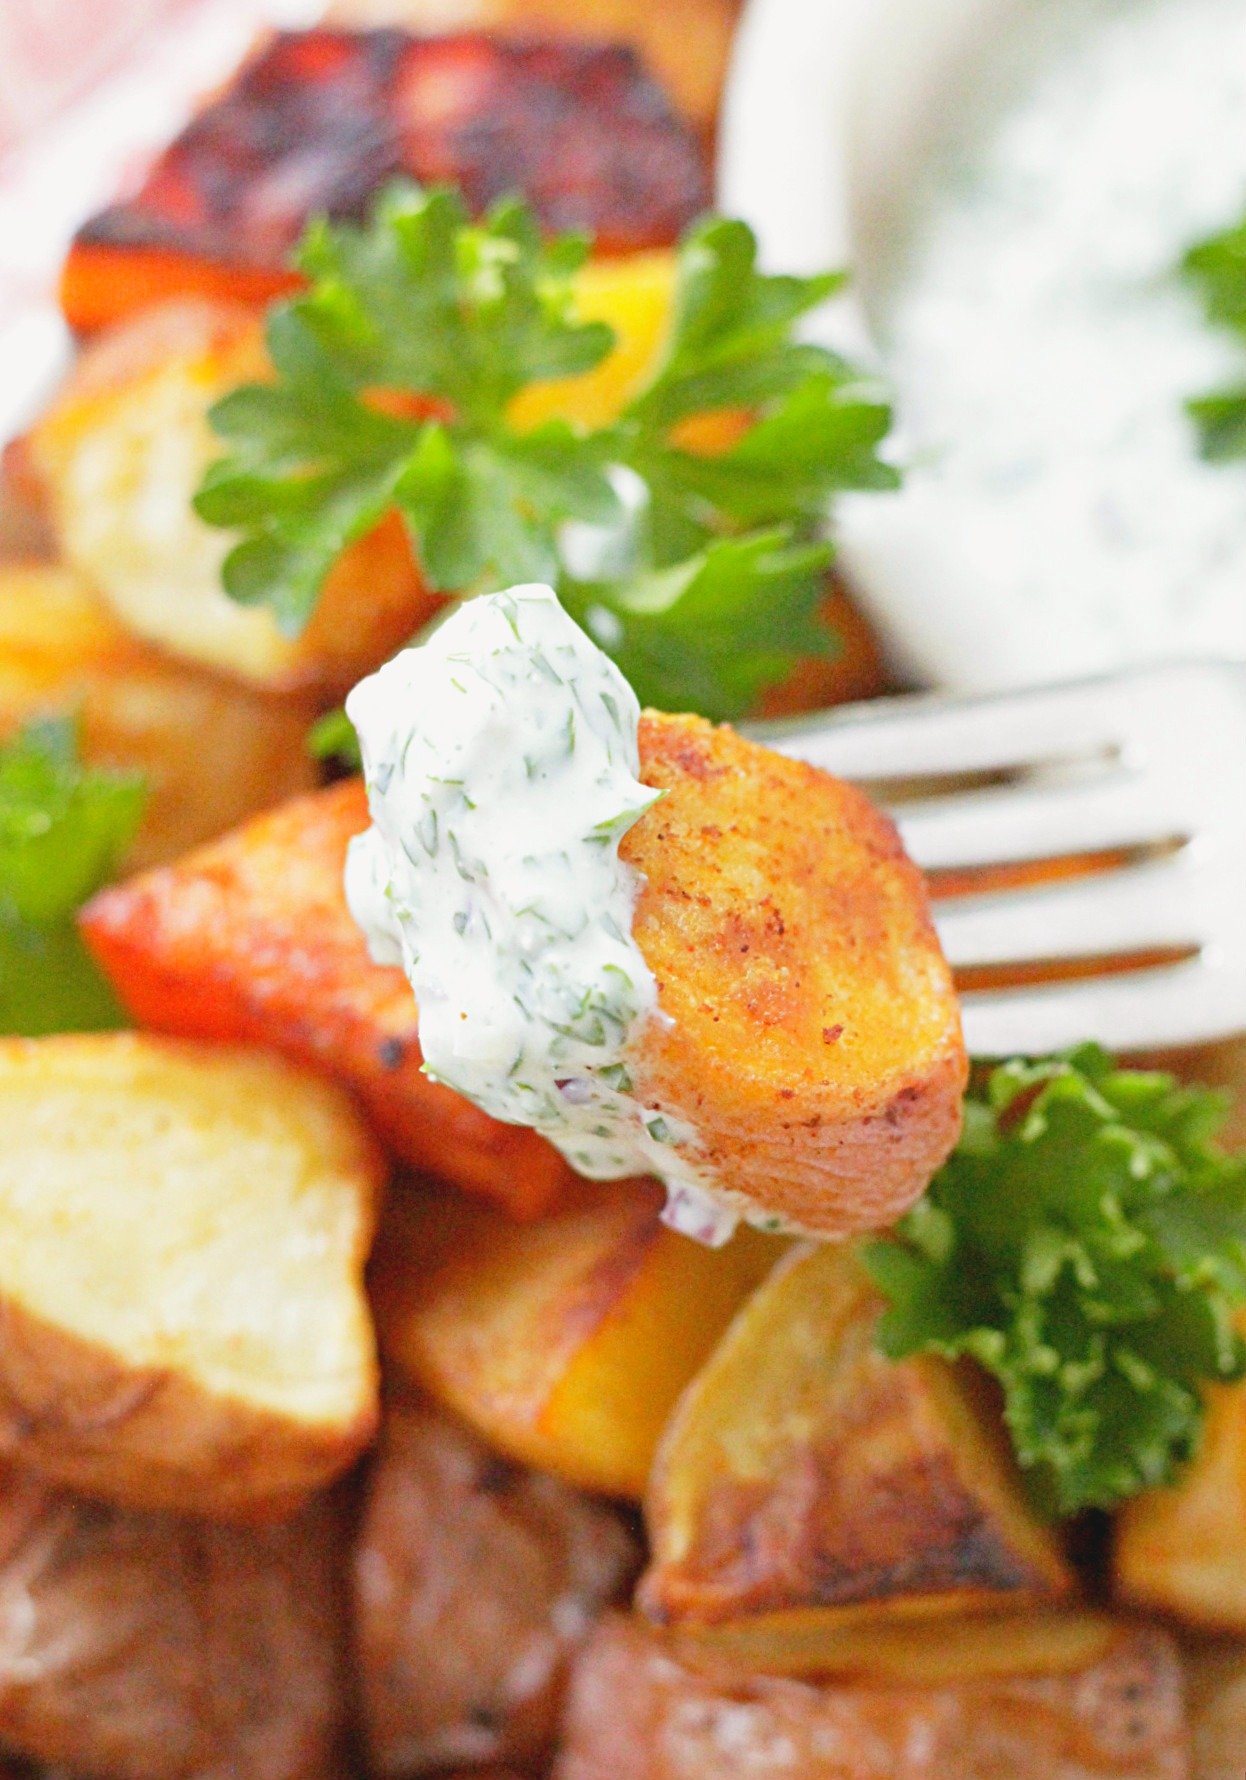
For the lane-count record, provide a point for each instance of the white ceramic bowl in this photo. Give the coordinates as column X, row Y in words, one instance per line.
column 831, row 109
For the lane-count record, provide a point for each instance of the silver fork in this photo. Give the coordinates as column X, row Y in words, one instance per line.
column 1137, row 782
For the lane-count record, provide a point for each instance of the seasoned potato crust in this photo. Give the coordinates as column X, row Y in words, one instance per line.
column 814, row 1037
column 474, row 1581
column 250, row 939
column 185, row 1232
column 143, row 1647
column 638, row 1714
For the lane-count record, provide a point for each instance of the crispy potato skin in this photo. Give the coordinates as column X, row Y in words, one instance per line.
column 803, row 1471
column 636, row 1713
column 474, row 1581
column 144, row 1647
column 565, row 1342
column 169, row 1407
column 61, row 651
column 119, row 454
column 815, row 1039
column 251, row 940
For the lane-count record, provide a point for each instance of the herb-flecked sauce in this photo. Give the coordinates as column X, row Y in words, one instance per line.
column 501, row 759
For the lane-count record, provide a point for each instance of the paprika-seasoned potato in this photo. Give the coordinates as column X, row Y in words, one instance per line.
column 120, row 453
column 181, row 1273
column 474, row 1581
column 802, row 1470
column 813, row 1036
column 141, row 1646
column 250, row 940
column 636, row 1712
column 565, row 1342
column 61, row 652
column 1182, row 1549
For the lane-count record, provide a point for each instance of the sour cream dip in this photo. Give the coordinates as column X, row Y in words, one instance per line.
column 502, row 765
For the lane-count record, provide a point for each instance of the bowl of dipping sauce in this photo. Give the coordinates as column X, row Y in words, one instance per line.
column 1013, row 184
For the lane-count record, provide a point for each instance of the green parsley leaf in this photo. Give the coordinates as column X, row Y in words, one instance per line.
column 1086, row 1244
column 1217, row 269
column 63, row 828
column 395, row 373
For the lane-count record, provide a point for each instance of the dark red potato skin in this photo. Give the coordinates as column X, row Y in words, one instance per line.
column 320, row 120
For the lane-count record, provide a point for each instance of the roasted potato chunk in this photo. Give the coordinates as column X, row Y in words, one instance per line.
column 565, row 1342
column 1182, row 1549
column 181, row 1277
column 1215, row 1671
column 251, row 940
column 813, row 1038
column 62, row 652
column 318, row 121
column 803, row 1470
column 474, row 1581
column 140, row 1646
column 120, row 454
column 638, row 1713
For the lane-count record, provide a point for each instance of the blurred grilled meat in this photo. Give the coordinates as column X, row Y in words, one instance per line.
column 318, row 120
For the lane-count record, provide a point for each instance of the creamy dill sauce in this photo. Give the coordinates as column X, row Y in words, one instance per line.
column 501, row 760
column 1042, row 349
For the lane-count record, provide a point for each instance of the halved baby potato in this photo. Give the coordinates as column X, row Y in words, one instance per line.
column 640, row 1711
column 564, row 1342
column 803, row 1472
column 142, row 1646
column 63, row 653
column 812, row 1036
column 120, row 454
column 184, row 1236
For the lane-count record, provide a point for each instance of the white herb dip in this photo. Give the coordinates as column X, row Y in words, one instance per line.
column 1058, row 517
column 502, row 763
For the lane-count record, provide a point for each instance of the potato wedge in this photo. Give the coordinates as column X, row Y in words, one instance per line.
column 62, row 652
column 814, row 1038
column 185, row 1230
column 637, row 1713
column 1182, row 1550
column 120, row 453
column 140, row 1646
column 251, row 940
column 565, row 1342
column 474, row 1582
column 802, row 1470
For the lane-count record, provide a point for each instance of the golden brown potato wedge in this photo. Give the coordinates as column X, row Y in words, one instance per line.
column 474, row 1582
column 250, row 940
column 802, row 1470
column 565, row 1342
column 181, row 1273
column 121, row 452
column 140, row 1646
column 1182, row 1550
column 1215, row 1670
column 61, row 652
column 814, row 1038
column 636, row 1712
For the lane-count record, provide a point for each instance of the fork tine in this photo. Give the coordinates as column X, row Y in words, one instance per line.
column 1147, row 906
column 1176, row 1004
column 1121, row 808
column 901, row 737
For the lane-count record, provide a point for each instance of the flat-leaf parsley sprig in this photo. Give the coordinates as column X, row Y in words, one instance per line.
column 1086, row 1244
column 1217, row 268
column 395, row 376
column 63, row 829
